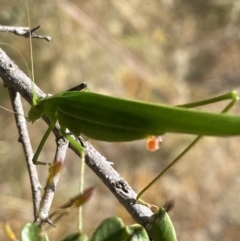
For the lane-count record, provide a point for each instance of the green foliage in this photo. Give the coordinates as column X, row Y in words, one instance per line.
column 76, row 237
column 32, row 232
column 113, row 229
column 110, row 229
column 161, row 226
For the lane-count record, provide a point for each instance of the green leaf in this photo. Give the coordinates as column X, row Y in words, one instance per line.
column 161, row 227
column 76, row 237
column 110, row 229
column 32, row 232
column 136, row 232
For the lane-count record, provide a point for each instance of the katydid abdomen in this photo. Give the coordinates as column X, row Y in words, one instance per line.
column 113, row 119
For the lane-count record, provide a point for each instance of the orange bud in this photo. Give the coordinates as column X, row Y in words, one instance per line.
column 153, row 143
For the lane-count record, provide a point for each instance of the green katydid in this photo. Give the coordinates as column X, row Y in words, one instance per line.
column 111, row 119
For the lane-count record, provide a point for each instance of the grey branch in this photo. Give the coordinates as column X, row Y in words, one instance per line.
column 25, row 140
column 24, row 31
column 14, row 77
column 49, row 190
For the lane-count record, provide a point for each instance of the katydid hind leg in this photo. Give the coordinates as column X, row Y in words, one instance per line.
column 233, row 96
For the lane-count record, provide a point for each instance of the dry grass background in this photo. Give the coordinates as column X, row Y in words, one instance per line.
column 167, row 51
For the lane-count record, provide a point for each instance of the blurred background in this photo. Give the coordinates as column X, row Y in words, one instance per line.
column 168, row 51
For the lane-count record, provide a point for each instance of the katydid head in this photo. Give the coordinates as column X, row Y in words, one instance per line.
column 35, row 113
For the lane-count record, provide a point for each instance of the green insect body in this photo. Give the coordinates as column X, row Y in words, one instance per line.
column 113, row 119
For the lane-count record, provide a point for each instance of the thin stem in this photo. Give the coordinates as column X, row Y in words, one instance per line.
column 25, row 140
column 24, row 32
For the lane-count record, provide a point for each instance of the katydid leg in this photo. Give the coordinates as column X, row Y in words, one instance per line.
column 232, row 96
column 81, row 152
column 39, row 149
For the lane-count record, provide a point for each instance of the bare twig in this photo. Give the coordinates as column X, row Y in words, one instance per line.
column 14, row 77
column 25, row 140
column 62, row 146
column 24, row 31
